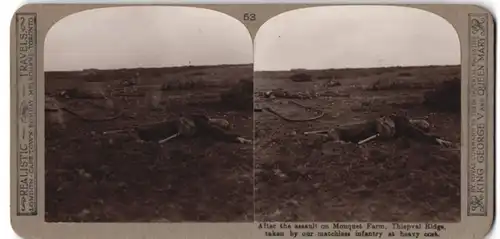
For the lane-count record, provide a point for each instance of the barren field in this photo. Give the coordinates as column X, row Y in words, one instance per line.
column 300, row 178
column 93, row 177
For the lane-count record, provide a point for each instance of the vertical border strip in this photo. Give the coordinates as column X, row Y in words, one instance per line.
column 26, row 111
column 477, row 165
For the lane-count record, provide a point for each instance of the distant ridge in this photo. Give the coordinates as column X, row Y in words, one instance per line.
column 354, row 68
column 167, row 68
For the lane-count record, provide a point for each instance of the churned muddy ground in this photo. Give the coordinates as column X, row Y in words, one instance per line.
column 298, row 178
column 99, row 178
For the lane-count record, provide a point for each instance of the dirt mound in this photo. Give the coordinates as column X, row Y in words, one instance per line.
column 387, row 84
column 301, row 77
column 240, row 96
column 406, row 74
column 332, row 83
column 446, row 97
column 92, row 75
column 187, row 84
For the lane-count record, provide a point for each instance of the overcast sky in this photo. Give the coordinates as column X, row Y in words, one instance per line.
column 355, row 36
column 128, row 37
column 315, row 38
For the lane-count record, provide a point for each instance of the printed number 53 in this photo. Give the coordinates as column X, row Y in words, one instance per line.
column 249, row 17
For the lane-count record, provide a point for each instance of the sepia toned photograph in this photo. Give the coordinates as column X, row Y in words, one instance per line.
column 148, row 116
column 357, row 116
column 252, row 121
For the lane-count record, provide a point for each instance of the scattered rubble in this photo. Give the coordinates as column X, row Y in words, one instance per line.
column 282, row 93
column 332, row 83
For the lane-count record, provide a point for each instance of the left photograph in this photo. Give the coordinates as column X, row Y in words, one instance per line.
column 148, row 117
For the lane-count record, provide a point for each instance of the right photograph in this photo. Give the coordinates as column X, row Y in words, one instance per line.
column 357, row 115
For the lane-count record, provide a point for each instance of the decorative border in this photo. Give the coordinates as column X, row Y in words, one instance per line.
column 477, row 167
column 26, row 67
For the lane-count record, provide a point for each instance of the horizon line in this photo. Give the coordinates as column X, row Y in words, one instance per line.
column 151, row 67
column 247, row 64
column 354, row 68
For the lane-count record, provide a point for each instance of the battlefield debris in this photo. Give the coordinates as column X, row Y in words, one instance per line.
column 182, row 175
column 406, row 177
